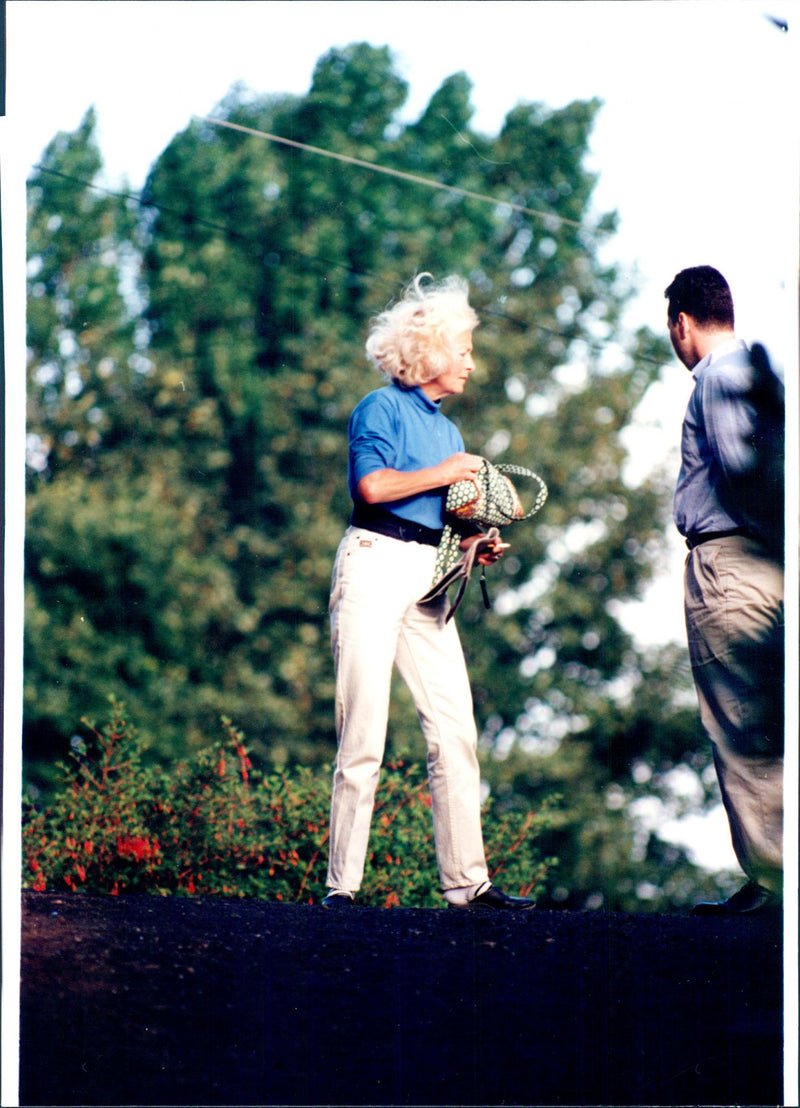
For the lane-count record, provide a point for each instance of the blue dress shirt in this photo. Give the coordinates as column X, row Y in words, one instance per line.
column 716, row 442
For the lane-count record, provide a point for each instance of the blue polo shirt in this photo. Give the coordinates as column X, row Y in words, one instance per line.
column 398, row 428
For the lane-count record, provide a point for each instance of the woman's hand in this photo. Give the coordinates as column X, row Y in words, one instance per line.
column 488, row 556
column 459, row 467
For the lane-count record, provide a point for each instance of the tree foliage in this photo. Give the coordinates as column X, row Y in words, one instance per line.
column 193, row 364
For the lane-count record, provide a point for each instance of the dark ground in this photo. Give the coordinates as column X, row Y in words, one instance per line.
column 138, row 1000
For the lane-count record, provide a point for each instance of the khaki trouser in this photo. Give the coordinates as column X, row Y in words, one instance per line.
column 375, row 624
column 735, row 627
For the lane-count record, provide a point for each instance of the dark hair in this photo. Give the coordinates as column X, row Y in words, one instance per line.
column 703, row 293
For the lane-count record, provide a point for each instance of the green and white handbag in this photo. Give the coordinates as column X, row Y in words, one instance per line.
column 484, row 503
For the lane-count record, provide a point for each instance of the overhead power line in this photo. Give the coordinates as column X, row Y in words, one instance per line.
column 375, row 168
column 190, row 218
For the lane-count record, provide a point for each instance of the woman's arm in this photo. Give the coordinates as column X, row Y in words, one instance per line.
column 382, row 486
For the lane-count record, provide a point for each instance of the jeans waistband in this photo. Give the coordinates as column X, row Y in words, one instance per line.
column 382, row 522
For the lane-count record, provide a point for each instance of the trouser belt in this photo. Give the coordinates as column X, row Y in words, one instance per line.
column 377, row 519
column 706, row 536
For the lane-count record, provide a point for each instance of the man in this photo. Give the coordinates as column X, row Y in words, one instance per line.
column 728, row 504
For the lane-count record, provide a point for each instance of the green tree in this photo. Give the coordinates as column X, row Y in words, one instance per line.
column 81, row 330
column 261, row 266
column 124, row 588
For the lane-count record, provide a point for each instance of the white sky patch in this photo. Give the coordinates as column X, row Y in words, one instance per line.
column 652, row 438
column 658, row 618
column 572, row 376
column 706, row 837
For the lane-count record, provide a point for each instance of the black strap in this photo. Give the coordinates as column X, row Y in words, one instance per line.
column 461, row 572
column 373, row 517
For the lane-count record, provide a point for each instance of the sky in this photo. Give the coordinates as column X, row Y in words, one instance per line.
column 696, row 145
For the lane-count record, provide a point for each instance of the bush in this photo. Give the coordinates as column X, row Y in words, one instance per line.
column 216, row 826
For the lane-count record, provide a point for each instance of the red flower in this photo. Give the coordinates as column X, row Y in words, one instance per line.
column 141, row 849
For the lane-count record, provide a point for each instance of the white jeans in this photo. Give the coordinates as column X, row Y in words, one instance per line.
column 375, row 624
column 734, row 621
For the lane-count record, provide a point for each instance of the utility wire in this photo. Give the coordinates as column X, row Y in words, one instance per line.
column 188, row 218
column 427, row 181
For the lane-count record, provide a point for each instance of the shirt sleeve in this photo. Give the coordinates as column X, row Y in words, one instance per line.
column 729, row 418
column 373, row 438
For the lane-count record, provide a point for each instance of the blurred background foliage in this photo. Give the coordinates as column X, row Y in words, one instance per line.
column 194, row 354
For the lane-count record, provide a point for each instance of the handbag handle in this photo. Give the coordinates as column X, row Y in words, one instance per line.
column 521, row 471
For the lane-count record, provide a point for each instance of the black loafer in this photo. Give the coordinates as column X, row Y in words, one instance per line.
column 749, row 899
column 493, row 898
column 338, row 900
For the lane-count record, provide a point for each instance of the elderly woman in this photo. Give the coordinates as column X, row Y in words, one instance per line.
column 404, row 453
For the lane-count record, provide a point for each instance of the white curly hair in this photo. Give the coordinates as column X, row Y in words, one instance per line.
column 413, row 340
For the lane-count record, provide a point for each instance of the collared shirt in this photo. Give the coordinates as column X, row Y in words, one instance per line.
column 402, row 429
column 716, row 442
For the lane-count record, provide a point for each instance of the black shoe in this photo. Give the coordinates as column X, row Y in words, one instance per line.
column 338, row 900
column 493, row 898
column 751, row 898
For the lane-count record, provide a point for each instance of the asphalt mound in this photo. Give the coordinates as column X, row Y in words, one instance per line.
column 149, row 1001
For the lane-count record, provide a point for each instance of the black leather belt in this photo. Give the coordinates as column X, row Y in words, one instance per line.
column 706, row 536
column 377, row 519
